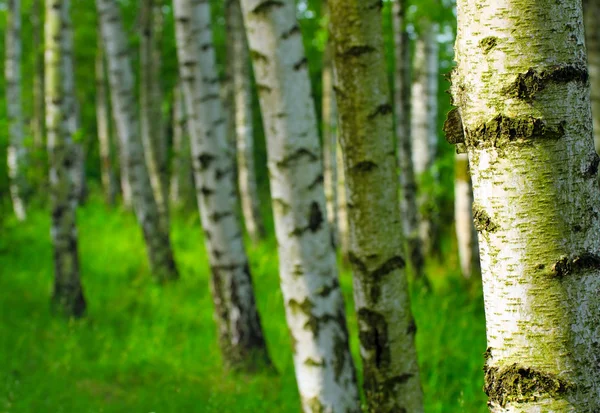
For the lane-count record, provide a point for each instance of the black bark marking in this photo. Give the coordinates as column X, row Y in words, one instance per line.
column 288, row 33
column 453, row 127
column 258, row 57
column 296, row 156
column 218, row 216
column 592, row 170
column 373, row 335
column 315, row 219
column 412, row 327
column 364, row 167
column 358, row 50
column 326, row 290
column 518, row 384
column 580, row 263
column 301, row 64
column 528, row 84
column 381, row 110
column 205, row 160
column 305, row 307
column 482, row 221
column 317, row 182
column 372, row 278
column 488, row 43
column 314, row 363
column 205, row 191
column 377, row 4
column 266, row 6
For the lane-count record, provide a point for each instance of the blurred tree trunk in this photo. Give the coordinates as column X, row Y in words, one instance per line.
column 343, row 233
column 150, row 103
column 109, row 184
column 313, row 300
column 244, row 128
column 37, row 10
column 17, row 153
column 591, row 14
column 381, row 295
column 240, row 331
column 329, row 113
column 408, row 202
column 521, row 87
column 182, row 185
column 466, row 235
column 156, row 229
column 68, row 295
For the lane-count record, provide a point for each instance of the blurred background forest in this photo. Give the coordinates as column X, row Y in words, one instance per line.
column 148, row 347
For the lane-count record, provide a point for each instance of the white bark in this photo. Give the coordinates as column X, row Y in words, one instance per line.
column 591, row 9
column 17, row 154
column 243, row 120
column 156, row 230
column 343, row 232
column 466, row 235
column 240, row 331
column 313, row 301
column 68, row 294
column 522, row 89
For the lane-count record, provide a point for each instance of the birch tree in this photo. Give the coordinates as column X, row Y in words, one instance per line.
column 466, row 235
column 313, row 300
column 240, row 332
column 17, row 154
column 522, row 89
column 37, row 11
column 155, row 228
column 402, row 95
column 243, row 120
column 591, row 9
column 343, row 231
column 181, row 189
column 68, row 294
column 381, row 296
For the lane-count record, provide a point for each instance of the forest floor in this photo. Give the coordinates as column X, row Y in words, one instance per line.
column 145, row 348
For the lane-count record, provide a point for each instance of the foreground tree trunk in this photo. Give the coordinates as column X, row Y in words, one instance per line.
column 109, row 184
column 466, row 235
column 68, row 295
column 150, row 124
column 156, row 230
column 313, row 300
column 408, row 182
column 240, row 331
column 521, row 87
column 591, row 12
column 17, row 155
column 182, row 185
column 243, row 120
column 381, row 296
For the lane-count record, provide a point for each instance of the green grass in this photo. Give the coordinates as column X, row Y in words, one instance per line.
column 143, row 348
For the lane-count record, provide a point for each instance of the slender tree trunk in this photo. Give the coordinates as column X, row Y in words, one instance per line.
column 313, row 300
column 381, row 296
column 109, row 184
column 466, row 235
column 68, row 295
column 39, row 131
column 182, row 186
column 521, row 87
column 408, row 202
column 240, row 331
column 156, row 229
column 329, row 112
column 17, row 154
column 150, row 114
column 343, row 233
column 244, row 128
column 591, row 13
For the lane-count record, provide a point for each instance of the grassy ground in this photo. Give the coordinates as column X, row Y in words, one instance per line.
column 143, row 348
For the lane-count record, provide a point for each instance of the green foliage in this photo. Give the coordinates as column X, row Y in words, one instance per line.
column 143, row 348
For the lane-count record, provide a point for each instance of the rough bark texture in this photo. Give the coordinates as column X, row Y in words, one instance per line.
column 522, row 89
column 313, row 300
column 240, row 332
column 408, row 202
column 591, row 14
column 150, row 102
column 17, row 155
column 109, row 184
column 466, row 235
column 244, row 128
column 39, row 130
column 381, row 296
column 182, row 184
column 156, row 230
column 68, row 295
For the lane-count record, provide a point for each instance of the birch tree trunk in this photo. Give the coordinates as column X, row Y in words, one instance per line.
column 156, row 230
column 244, row 128
column 466, row 235
column 381, row 296
column 408, row 202
column 591, row 13
column 240, row 331
column 37, row 10
column 68, row 295
column 181, row 170
column 17, row 154
column 109, row 184
column 343, row 233
column 522, row 89
column 313, row 300
column 151, row 127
